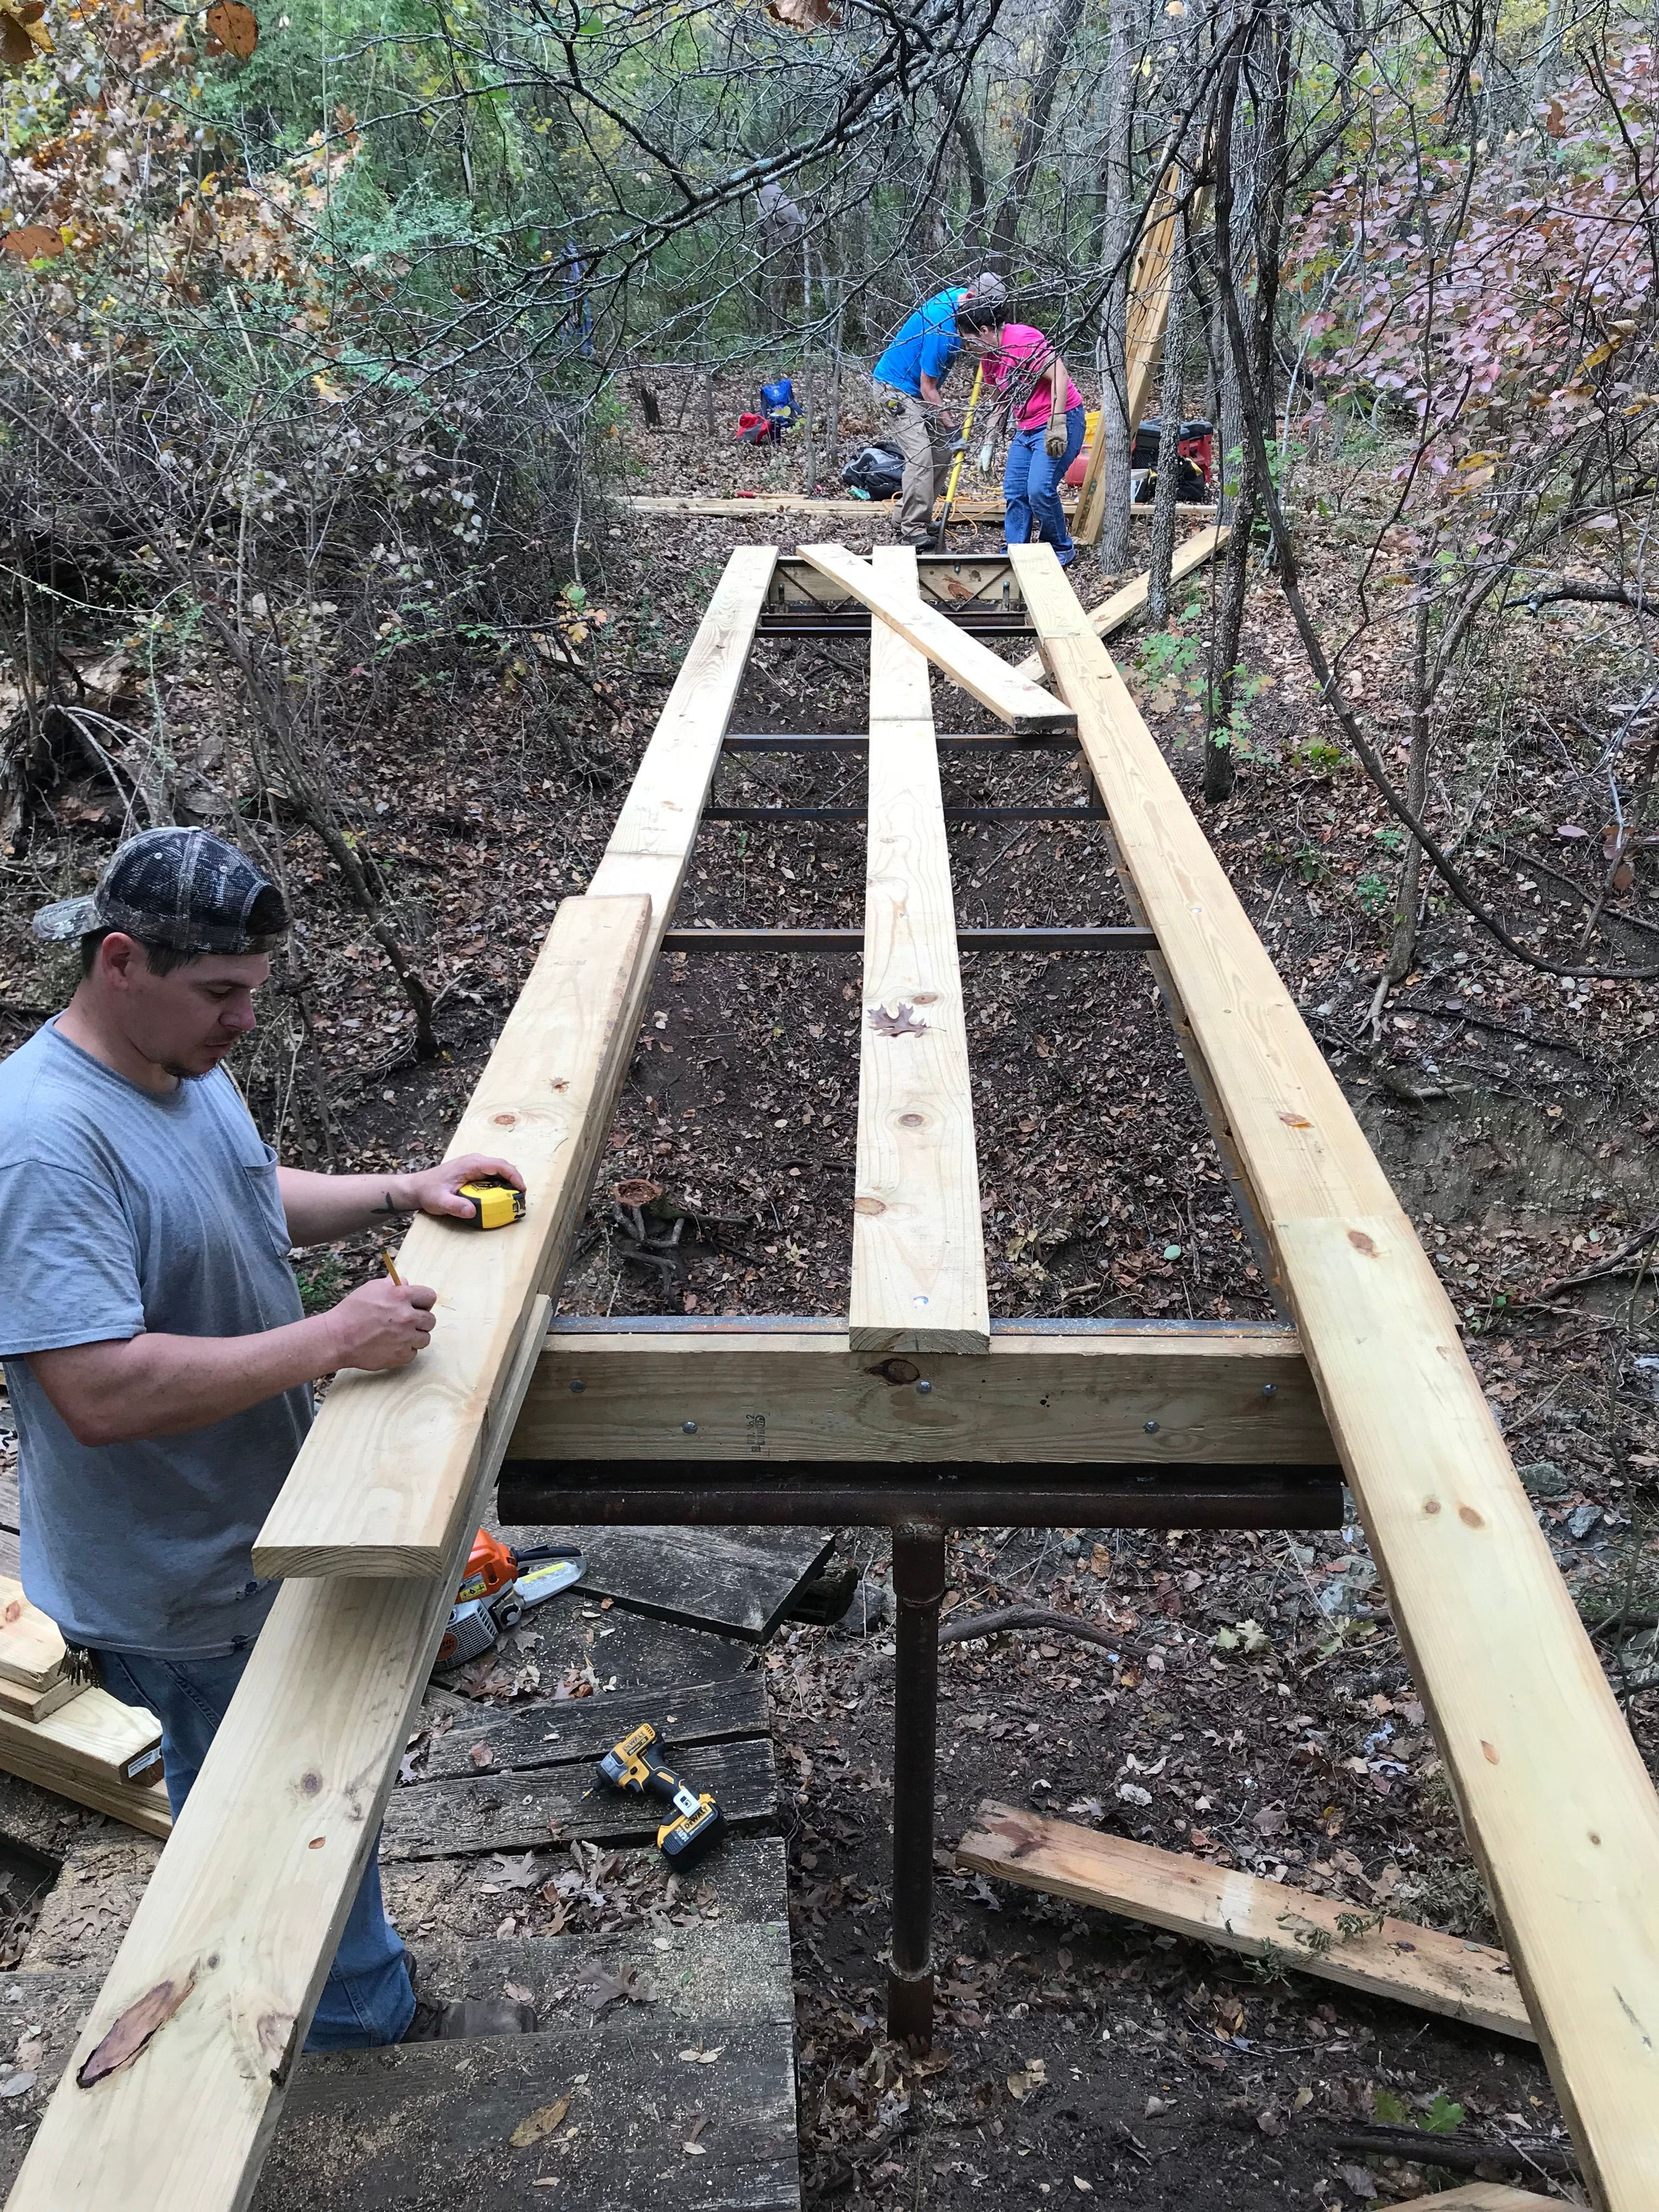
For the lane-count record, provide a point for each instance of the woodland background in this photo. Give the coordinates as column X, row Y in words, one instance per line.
column 332, row 341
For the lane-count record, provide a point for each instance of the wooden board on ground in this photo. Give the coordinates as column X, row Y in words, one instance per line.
column 1025, row 707
column 385, row 1478
column 582, row 1644
column 243, row 1914
column 1228, row 1393
column 713, row 1978
column 522, row 1811
column 1555, row 1800
column 1479, row 2196
column 1148, row 313
column 1222, row 1904
column 31, row 1644
column 974, row 507
column 918, row 1244
column 461, row 1899
column 735, row 1582
column 429, row 2127
column 522, row 1737
column 1130, row 599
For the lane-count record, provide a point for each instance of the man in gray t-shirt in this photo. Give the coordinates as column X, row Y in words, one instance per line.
column 159, row 1359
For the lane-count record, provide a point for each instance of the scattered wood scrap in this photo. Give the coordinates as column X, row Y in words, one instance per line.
column 736, row 1582
column 1383, row 1957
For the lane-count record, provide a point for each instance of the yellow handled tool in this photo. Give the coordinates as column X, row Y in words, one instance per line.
column 961, row 451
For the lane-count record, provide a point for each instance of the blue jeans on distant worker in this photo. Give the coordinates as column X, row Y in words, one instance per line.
column 368, row 1998
column 1031, row 485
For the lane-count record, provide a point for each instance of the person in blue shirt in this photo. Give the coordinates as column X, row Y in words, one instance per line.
column 911, row 416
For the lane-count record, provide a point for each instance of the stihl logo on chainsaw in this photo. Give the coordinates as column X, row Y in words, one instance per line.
column 498, row 1588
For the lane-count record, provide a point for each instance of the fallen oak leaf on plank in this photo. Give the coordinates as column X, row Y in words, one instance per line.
column 540, row 2123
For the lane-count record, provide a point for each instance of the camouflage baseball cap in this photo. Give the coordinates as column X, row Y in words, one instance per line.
column 185, row 888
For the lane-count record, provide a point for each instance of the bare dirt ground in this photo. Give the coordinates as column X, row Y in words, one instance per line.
column 1258, row 1711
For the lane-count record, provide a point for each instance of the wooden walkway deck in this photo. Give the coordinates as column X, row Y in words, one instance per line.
column 426, row 2127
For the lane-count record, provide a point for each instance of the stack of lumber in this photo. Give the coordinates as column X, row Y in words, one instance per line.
column 56, row 1732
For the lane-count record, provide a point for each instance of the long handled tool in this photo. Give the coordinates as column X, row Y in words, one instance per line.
column 960, row 454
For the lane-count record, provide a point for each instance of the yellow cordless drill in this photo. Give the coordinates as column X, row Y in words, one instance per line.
column 698, row 1821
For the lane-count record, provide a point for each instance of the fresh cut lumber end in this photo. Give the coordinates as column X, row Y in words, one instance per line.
column 379, row 1482
column 1385, row 1958
column 1556, row 1803
column 30, row 1645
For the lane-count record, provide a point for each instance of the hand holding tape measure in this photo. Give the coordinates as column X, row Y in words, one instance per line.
column 475, row 1192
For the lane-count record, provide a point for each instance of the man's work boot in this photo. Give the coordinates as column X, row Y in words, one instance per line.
column 460, row 2019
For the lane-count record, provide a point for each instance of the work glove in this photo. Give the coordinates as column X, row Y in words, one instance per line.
column 1054, row 443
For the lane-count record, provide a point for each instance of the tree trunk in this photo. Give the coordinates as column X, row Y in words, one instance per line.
column 1033, row 131
column 1256, row 371
column 1172, row 400
column 1408, row 890
column 973, row 169
column 1113, row 428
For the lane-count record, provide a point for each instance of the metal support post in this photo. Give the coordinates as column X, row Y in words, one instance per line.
column 919, row 1591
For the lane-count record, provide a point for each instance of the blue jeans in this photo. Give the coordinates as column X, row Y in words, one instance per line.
column 1031, row 485
column 368, row 1998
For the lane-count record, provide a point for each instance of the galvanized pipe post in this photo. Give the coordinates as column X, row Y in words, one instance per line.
column 919, row 1591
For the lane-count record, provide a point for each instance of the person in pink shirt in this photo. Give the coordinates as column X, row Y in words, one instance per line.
column 1045, row 411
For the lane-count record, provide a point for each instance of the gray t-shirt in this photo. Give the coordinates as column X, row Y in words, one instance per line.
column 121, row 1210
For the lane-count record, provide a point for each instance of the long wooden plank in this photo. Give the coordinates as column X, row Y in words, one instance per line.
column 306, row 1754
column 380, row 1483
column 1130, row 599
column 1027, row 710
column 1555, row 1800
column 741, row 506
column 1479, row 2196
column 917, row 1245
column 651, row 842
column 733, row 1582
column 1228, row 1394
column 1224, row 1905
column 542, row 1102
column 525, row 1810
column 230, row 1944
column 1148, row 315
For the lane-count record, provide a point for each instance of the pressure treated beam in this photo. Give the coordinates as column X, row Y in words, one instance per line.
column 1555, row 1800
column 1025, row 708
column 1148, row 314
column 1221, row 1393
column 1130, row 599
column 381, row 1482
column 918, row 1247
column 227, row 1952
column 1238, row 1912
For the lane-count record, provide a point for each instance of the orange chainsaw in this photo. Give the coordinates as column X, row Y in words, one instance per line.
column 498, row 1588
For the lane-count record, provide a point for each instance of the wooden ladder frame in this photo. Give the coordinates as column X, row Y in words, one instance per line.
column 176, row 2082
